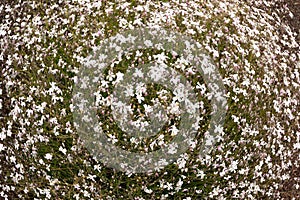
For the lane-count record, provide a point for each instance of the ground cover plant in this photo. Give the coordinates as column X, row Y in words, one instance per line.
column 44, row 45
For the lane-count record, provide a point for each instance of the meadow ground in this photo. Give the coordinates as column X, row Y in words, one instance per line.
column 254, row 45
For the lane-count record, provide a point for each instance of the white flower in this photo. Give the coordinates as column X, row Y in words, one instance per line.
column 174, row 108
column 202, row 88
column 112, row 138
column 148, row 109
column 181, row 163
column 129, row 91
column 140, row 98
column 209, row 140
column 200, row 174
column 2, row 32
column 119, row 77
column 148, row 191
column 140, row 88
column 2, row 135
column 219, row 129
column 138, row 73
column 297, row 145
column 168, row 186
column 148, row 43
column 48, row 156
column 179, row 184
column 160, row 57
column 180, row 93
column 173, row 149
column 174, row 130
column 285, row 176
column 13, row 159
column 2, row 147
column 233, row 165
column 63, row 150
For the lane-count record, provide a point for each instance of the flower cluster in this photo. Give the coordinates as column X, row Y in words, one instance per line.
column 43, row 47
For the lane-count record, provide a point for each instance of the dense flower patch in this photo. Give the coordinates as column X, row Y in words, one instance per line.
column 43, row 47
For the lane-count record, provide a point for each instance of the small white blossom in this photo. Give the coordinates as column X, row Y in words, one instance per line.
column 48, row 156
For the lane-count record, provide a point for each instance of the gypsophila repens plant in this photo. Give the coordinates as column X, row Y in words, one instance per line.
column 44, row 46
